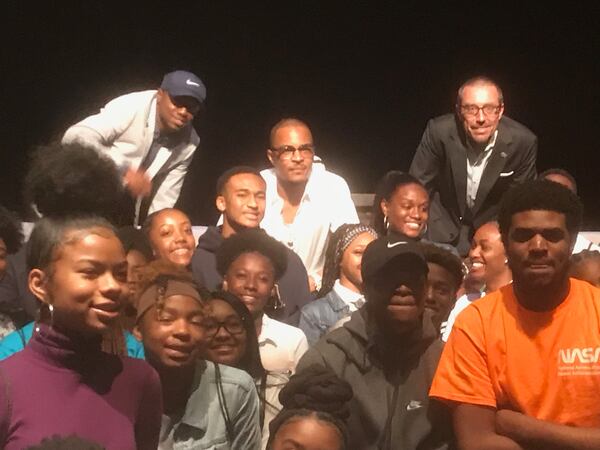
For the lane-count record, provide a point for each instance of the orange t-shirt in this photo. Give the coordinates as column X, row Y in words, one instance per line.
column 545, row 365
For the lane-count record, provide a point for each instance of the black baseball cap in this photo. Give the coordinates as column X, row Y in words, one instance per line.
column 388, row 250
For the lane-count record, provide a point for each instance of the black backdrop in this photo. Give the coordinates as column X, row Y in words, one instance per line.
column 366, row 78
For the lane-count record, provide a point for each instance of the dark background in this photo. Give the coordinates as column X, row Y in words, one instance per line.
column 365, row 76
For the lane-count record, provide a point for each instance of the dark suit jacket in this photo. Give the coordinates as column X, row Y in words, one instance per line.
column 440, row 163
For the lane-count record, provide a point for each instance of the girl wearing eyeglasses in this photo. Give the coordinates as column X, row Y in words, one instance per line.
column 232, row 341
column 206, row 405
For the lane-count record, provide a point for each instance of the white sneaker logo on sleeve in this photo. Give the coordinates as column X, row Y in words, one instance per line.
column 414, row 404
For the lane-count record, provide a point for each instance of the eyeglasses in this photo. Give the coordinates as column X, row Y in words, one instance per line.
column 288, row 151
column 473, row 110
column 232, row 326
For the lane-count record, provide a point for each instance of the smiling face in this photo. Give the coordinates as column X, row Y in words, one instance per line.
column 480, row 126
column 251, row 277
column 86, row 284
column 538, row 248
column 350, row 275
column 171, row 237
column 291, row 167
column 174, row 334
column 174, row 113
column 487, row 258
column 440, row 292
column 228, row 344
column 307, row 433
column 407, row 210
column 242, row 202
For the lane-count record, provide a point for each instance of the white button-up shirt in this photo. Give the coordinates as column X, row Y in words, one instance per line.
column 325, row 205
column 281, row 345
column 354, row 300
column 476, row 163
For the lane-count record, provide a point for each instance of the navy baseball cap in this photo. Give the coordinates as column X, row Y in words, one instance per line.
column 388, row 250
column 184, row 83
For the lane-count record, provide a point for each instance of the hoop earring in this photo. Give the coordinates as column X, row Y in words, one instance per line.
column 386, row 223
column 51, row 311
column 278, row 303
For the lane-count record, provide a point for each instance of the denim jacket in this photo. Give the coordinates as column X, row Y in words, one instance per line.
column 319, row 316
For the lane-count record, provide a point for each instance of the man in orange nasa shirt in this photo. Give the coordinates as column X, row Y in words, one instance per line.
column 521, row 369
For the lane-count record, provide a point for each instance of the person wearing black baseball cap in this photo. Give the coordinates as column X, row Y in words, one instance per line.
column 150, row 137
column 388, row 352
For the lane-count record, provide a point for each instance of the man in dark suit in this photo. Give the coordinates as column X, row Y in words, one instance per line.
column 467, row 161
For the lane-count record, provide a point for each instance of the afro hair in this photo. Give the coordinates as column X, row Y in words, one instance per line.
column 73, row 180
column 248, row 241
column 540, row 195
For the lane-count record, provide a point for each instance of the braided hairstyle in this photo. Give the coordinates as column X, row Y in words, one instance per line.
column 339, row 241
column 315, row 392
column 158, row 273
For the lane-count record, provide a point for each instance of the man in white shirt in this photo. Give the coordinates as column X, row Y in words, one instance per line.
column 304, row 202
column 150, row 137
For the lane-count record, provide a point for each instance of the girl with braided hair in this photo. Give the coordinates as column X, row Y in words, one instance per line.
column 341, row 292
column 314, row 414
column 206, row 404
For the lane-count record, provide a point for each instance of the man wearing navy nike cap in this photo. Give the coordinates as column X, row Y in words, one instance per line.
column 388, row 352
column 150, row 137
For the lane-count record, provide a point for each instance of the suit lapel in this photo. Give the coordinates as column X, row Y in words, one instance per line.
column 458, row 162
column 496, row 163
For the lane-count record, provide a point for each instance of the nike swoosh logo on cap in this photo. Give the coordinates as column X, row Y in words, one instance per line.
column 191, row 83
column 392, row 245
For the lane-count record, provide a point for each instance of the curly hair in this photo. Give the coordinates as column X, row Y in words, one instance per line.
column 159, row 273
column 73, row 179
column 10, row 231
column 384, row 191
column 315, row 392
column 539, row 195
column 249, row 241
